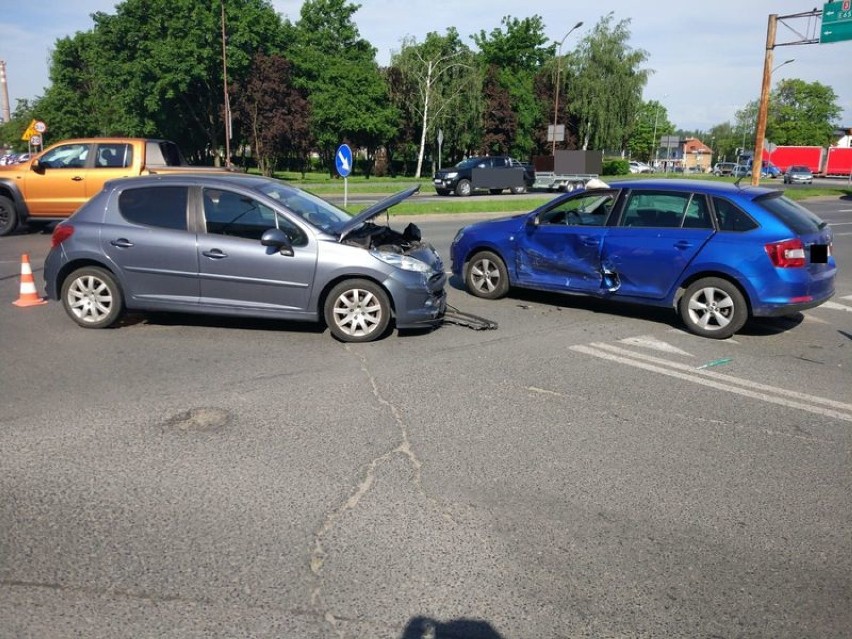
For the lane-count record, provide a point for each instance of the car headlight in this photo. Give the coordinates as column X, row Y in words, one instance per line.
column 458, row 236
column 405, row 262
column 452, row 174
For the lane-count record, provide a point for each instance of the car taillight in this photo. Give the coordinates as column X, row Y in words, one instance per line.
column 787, row 254
column 61, row 233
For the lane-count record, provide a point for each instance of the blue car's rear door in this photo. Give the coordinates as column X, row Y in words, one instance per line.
column 658, row 235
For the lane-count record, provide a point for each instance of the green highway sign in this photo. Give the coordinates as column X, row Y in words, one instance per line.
column 836, row 22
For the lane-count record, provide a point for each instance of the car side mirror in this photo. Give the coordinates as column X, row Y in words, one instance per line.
column 36, row 166
column 278, row 239
column 533, row 220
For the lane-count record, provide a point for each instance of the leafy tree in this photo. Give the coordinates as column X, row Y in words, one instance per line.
column 802, row 113
column 347, row 90
column 606, row 84
column 435, row 73
column 500, row 121
column 519, row 50
column 746, row 122
column 155, row 68
column 723, row 142
column 273, row 112
column 11, row 131
column 652, row 122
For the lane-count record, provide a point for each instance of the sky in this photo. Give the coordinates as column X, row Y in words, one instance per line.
column 706, row 58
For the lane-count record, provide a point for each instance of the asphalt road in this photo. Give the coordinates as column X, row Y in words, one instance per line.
column 585, row 470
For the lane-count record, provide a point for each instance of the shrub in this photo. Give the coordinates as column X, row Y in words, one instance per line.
column 615, row 166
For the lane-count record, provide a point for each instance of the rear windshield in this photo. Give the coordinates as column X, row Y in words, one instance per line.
column 797, row 218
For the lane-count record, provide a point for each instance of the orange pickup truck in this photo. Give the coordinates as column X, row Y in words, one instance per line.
column 53, row 184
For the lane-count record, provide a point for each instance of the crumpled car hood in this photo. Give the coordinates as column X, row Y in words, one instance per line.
column 370, row 212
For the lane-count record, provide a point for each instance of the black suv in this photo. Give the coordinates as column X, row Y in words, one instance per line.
column 492, row 173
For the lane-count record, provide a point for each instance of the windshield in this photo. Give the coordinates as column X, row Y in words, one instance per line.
column 310, row 208
column 468, row 163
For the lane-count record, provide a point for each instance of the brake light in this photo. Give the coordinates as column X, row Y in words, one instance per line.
column 787, row 254
column 61, row 233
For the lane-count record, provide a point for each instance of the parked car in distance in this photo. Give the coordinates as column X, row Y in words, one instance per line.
column 741, row 170
column 640, row 167
column 246, row 246
column 798, row 174
column 714, row 252
column 723, row 168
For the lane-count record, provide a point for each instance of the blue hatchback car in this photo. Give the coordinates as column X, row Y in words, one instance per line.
column 716, row 253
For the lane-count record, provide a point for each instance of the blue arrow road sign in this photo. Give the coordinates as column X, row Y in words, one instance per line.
column 343, row 160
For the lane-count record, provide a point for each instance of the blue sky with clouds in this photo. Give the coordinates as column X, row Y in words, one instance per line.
column 706, row 57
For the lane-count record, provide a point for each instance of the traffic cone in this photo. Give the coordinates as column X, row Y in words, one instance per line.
column 29, row 296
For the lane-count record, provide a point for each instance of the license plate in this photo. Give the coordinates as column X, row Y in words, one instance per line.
column 819, row 253
column 438, row 181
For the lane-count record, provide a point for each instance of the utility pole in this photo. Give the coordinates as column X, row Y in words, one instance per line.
column 763, row 107
column 227, row 98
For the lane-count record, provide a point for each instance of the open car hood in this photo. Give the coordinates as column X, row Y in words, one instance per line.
column 370, row 212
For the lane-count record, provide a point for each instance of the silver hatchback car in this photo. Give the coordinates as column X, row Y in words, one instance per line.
column 242, row 245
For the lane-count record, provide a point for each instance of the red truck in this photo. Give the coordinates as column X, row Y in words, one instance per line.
column 825, row 161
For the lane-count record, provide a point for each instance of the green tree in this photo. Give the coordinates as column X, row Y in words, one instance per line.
column 803, row 113
column 436, row 74
column 652, row 122
column 605, row 85
column 518, row 50
column 155, row 67
column 723, row 142
column 744, row 127
column 11, row 131
column 348, row 93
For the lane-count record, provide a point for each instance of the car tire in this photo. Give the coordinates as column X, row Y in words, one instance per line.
column 486, row 276
column 519, row 190
column 713, row 307
column 357, row 310
column 463, row 188
column 92, row 297
column 8, row 216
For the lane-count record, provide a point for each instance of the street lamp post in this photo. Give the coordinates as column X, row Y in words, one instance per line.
column 558, row 68
column 654, row 141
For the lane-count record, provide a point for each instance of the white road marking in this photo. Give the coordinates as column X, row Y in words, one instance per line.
column 655, row 344
column 712, row 379
column 846, row 297
column 835, row 306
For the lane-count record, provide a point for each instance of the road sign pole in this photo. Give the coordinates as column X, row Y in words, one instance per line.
column 345, row 191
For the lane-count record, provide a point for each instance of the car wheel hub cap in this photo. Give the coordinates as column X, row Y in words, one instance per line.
column 711, row 309
column 357, row 312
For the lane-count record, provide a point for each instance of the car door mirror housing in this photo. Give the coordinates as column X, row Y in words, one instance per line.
column 36, row 166
column 279, row 240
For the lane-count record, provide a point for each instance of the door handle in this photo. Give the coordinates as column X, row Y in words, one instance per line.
column 683, row 244
column 122, row 243
column 77, row 178
column 215, row 254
